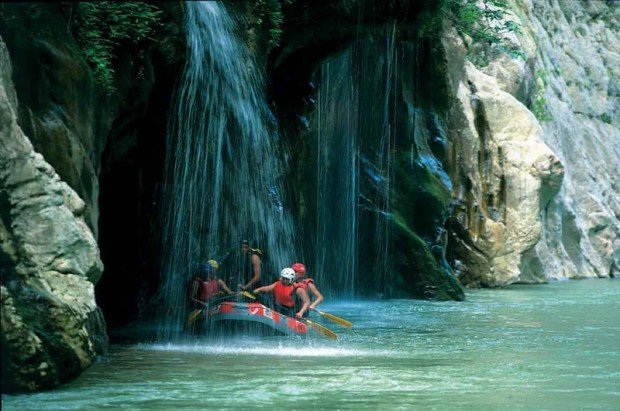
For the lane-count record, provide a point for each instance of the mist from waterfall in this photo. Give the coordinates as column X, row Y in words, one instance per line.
column 222, row 166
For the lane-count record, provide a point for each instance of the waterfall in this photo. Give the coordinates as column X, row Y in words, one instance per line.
column 355, row 144
column 378, row 152
column 222, row 166
column 337, row 177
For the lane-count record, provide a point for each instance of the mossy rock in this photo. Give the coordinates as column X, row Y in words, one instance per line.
column 421, row 205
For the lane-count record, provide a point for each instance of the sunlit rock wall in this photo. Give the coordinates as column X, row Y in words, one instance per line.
column 577, row 65
column 502, row 170
column 49, row 262
column 564, row 218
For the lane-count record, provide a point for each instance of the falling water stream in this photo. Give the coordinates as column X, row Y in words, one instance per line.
column 366, row 115
column 222, row 164
column 353, row 123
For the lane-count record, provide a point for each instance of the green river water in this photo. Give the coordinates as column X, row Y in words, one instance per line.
column 553, row 346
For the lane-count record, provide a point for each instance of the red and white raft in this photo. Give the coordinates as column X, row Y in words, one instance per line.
column 236, row 312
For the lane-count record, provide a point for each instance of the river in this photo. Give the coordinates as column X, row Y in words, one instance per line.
column 552, row 346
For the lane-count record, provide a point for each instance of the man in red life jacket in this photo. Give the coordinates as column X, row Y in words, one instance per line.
column 205, row 288
column 307, row 284
column 285, row 293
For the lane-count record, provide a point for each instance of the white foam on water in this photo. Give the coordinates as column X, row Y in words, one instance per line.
column 280, row 350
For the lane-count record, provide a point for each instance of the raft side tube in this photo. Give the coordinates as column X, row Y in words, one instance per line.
column 256, row 313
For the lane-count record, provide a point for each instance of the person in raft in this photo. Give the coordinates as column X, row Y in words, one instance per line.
column 249, row 266
column 302, row 281
column 287, row 295
column 206, row 285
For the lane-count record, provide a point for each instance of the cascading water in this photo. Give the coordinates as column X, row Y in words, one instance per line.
column 368, row 125
column 354, row 145
column 337, row 177
column 222, row 165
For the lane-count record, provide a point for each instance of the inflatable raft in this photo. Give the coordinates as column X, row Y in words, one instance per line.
column 229, row 313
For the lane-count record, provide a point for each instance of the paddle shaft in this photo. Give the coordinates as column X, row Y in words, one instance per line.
column 324, row 331
column 332, row 317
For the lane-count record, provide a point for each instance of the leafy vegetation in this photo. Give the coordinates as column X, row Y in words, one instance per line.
column 101, row 28
column 540, row 102
column 485, row 24
column 605, row 118
column 265, row 18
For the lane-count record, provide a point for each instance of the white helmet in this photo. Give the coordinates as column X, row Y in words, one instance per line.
column 288, row 273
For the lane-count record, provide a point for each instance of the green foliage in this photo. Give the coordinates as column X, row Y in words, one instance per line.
column 605, row 118
column 265, row 16
column 101, row 28
column 485, row 23
column 540, row 102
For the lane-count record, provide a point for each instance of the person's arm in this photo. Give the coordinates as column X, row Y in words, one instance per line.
column 265, row 289
column 318, row 296
column 224, row 286
column 256, row 271
column 301, row 293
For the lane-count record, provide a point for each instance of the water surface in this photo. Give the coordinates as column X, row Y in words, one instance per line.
column 554, row 346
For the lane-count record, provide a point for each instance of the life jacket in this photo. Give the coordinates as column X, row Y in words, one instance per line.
column 304, row 283
column 208, row 289
column 284, row 294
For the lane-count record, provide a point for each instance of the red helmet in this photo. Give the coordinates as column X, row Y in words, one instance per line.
column 299, row 268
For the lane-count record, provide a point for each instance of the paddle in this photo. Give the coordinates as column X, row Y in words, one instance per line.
column 333, row 318
column 324, row 331
column 194, row 314
column 249, row 295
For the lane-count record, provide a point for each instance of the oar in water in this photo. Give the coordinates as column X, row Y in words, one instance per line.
column 194, row 314
column 324, row 331
column 333, row 318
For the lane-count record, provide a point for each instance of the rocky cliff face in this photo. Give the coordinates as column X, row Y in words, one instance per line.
column 577, row 65
column 51, row 326
column 90, row 165
column 60, row 111
column 108, row 147
column 502, row 171
column 538, row 198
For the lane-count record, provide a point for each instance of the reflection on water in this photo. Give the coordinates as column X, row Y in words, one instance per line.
column 550, row 346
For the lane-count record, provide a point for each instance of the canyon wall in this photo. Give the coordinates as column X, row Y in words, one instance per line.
column 51, row 325
column 534, row 145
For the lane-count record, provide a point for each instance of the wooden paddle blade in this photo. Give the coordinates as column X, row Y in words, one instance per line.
column 324, row 331
column 335, row 319
column 192, row 316
column 249, row 295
